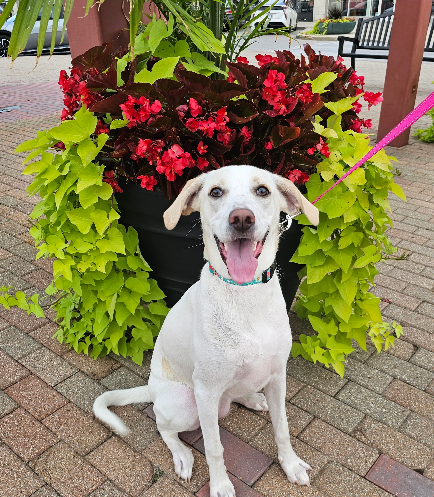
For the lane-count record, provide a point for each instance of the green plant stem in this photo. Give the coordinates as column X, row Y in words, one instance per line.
column 215, row 24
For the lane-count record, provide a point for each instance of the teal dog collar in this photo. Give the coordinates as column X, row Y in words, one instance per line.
column 264, row 278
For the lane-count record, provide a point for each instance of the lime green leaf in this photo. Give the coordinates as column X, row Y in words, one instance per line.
column 118, row 123
column 335, row 205
column 76, row 130
column 139, row 283
column 158, row 32
column 81, row 218
column 342, row 105
column 164, row 68
column 317, row 273
column 322, row 81
column 114, row 243
column 342, row 308
column 371, row 256
column 91, row 194
column 90, row 175
column 397, row 190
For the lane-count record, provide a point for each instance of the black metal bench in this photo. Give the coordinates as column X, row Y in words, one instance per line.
column 374, row 34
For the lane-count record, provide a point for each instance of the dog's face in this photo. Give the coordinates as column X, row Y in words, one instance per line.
column 239, row 208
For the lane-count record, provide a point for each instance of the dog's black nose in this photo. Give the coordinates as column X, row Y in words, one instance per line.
column 242, row 219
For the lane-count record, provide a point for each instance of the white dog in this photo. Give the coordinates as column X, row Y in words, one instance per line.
column 224, row 341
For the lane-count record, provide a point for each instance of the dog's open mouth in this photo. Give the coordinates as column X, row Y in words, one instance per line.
column 241, row 257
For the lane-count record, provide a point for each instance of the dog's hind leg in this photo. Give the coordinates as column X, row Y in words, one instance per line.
column 256, row 401
column 175, row 411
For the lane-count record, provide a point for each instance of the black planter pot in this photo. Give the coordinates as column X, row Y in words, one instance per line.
column 176, row 256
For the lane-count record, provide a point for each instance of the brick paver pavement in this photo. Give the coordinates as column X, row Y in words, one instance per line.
column 368, row 434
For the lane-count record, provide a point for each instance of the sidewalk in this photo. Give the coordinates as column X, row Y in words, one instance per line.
column 370, row 434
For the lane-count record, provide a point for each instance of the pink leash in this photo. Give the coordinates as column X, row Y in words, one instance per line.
column 410, row 119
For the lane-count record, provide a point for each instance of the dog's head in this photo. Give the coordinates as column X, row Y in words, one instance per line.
column 239, row 208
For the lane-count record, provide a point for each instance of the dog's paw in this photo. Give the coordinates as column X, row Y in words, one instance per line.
column 183, row 460
column 256, row 401
column 296, row 470
column 222, row 489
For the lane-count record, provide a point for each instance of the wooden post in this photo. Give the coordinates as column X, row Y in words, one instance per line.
column 104, row 22
column 407, row 41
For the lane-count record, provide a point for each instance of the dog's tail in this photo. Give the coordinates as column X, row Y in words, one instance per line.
column 118, row 398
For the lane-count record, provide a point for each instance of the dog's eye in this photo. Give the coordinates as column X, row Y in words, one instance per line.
column 216, row 192
column 262, row 191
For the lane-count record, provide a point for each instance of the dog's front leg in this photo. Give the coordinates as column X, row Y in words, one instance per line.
column 207, row 401
column 294, row 467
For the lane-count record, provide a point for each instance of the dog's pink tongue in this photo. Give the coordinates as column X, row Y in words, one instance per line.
column 240, row 260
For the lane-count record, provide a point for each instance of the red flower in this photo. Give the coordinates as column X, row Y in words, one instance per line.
column 201, row 148
column 357, row 80
column 372, row 98
column 208, row 127
column 222, row 118
column 297, row 176
column 275, row 80
column 225, row 136
column 149, row 149
column 182, row 109
column 138, row 110
column 202, row 163
column 304, row 93
column 65, row 114
column 356, row 125
column 321, row 147
column 367, row 123
column 268, row 145
column 246, row 133
column 101, row 128
column 156, row 107
column 230, row 78
column 242, row 60
column 357, row 107
column 195, row 108
column 147, row 182
column 265, row 59
column 174, row 161
column 110, row 179
column 192, row 124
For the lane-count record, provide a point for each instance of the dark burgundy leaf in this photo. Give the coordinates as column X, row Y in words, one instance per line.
column 241, row 111
column 193, row 81
column 103, row 81
column 110, row 105
column 280, row 135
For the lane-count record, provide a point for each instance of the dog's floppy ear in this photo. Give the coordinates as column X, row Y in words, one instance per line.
column 293, row 201
column 185, row 203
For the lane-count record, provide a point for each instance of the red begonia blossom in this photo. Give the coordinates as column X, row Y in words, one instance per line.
column 139, row 110
column 174, row 161
column 147, row 182
column 242, row 60
column 201, row 148
column 268, row 145
column 297, row 176
column 101, row 128
column 357, row 106
column 195, row 108
column 265, row 59
column 304, row 93
column 202, row 163
column 110, row 179
column 372, row 98
column 357, row 80
column 230, row 78
column 244, row 131
column 322, row 147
